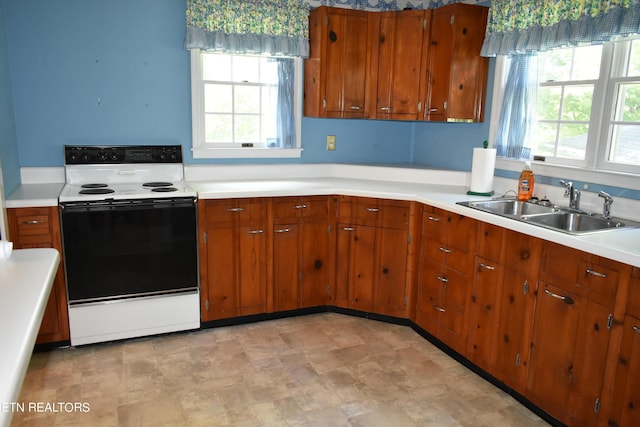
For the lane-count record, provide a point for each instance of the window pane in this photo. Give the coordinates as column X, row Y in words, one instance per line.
column 548, row 103
column 247, row 128
column 624, row 145
column 218, row 98
column 586, row 63
column 216, row 67
column 555, row 65
column 573, row 141
column 246, row 69
column 218, row 128
column 633, row 68
column 543, row 139
column 247, row 99
column 628, row 103
column 577, row 103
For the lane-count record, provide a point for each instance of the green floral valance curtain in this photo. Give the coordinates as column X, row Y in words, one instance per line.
column 276, row 27
column 522, row 26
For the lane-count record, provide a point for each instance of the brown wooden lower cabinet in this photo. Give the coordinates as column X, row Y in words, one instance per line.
column 39, row 227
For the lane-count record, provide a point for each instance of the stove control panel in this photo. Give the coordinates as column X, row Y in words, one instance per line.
column 121, row 154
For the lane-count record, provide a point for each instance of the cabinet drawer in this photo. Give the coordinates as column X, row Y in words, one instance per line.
column 371, row 211
column 441, row 253
column 521, row 252
column 434, row 224
column 229, row 210
column 292, row 208
column 490, row 241
column 600, row 282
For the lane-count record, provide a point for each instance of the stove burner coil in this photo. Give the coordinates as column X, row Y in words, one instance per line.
column 164, row 189
column 98, row 190
column 157, row 184
column 94, row 185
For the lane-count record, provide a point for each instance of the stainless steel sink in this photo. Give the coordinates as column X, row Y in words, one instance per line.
column 510, row 207
column 551, row 216
column 574, row 222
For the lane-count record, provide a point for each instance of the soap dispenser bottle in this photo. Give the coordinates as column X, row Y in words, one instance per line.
column 525, row 183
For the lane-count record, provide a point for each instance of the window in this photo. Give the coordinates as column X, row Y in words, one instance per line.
column 588, row 107
column 245, row 105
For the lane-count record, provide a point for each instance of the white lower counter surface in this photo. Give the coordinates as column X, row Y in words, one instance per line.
column 26, row 279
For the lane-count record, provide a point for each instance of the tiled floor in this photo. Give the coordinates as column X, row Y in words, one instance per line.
column 319, row 370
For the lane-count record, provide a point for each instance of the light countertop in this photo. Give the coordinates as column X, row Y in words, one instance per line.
column 25, row 283
column 34, row 195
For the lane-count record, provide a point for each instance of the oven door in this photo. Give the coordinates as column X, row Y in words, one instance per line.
column 120, row 249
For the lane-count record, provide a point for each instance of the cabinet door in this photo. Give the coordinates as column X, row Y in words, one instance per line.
column 553, row 349
column 286, row 262
column 344, row 239
column 218, row 287
column 362, row 268
column 484, row 312
column 252, row 270
column 314, row 247
column 345, row 63
column 399, row 79
column 517, row 303
column 568, row 355
column 457, row 72
column 625, row 409
column 453, row 322
column 391, row 272
column 429, row 304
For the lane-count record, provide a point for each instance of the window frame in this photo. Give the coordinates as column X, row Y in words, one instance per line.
column 202, row 150
column 595, row 167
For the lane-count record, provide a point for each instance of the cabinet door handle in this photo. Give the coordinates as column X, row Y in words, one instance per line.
column 433, row 110
column 636, row 329
column 283, row 230
column 384, row 108
column 372, row 209
column 348, row 229
column 300, row 207
column 442, row 279
column 595, row 273
column 568, row 300
column 487, row 266
column 255, row 231
column 438, row 308
column 355, row 107
column 443, row 249
column 235, row 209
column 33, row 222
column 433, row 218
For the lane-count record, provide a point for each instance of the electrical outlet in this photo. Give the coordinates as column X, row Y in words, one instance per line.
column 331, row 142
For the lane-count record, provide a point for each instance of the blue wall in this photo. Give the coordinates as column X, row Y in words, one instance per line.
column 8, row 142
column 116, row 72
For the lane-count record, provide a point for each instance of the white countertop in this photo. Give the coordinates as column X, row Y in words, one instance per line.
column 401, row 182
column 25, row 283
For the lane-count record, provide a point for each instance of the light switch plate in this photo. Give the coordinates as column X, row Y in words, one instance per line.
column 331, row 142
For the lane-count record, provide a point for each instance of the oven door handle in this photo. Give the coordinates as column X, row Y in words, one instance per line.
column 128, row 204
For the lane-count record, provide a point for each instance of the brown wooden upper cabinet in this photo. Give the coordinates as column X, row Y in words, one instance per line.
column 405, row 65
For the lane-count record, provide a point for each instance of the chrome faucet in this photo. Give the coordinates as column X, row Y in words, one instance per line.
column 573, row 194
column 608, row 201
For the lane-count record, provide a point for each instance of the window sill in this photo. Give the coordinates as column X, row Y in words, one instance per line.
column 246, row 153
column 614, row 179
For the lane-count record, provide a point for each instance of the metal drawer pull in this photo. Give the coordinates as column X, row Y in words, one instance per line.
column 33, row 222
column 445, row 250
column 283, row 230
column 384, row 108
column 372, row 209
column 300, row 206
column 487, row 266
column 636, row 329
column 595, row 273
column 438, row 308
column 433, row 218
column 355, row 107
column 349, row 229
column 442, row 279
column 568, row 300
column 235, row 209
column 255, row 231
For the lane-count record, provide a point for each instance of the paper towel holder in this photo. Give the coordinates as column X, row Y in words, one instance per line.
column 485, row 145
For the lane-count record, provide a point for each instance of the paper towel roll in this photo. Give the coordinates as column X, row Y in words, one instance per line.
column 482, row 169
column 6, row 248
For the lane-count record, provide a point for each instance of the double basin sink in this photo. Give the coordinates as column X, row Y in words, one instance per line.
column 554, row 217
